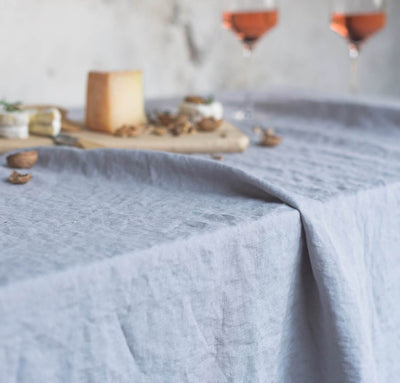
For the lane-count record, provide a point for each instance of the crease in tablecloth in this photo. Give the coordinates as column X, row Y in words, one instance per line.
column 361, row 145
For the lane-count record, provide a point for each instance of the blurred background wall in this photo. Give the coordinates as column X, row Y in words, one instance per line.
column 47, row 47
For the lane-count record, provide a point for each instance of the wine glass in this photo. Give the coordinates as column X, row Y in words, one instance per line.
column 249, row 20
column 356, row 21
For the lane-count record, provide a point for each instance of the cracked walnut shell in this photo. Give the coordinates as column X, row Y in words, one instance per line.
column 129, row 131
column 18, row 178
column 269, row 138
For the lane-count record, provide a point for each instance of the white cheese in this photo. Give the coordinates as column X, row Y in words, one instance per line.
column 16, row 131
column 198, row 111
column 46, row 122
column 14, row 124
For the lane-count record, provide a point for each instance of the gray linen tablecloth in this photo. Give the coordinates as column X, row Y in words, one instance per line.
column 276, row 265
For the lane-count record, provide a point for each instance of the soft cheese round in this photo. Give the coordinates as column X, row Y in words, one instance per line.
column 14, row 124
column 214, row 109
column 16, row 131
column 13, row 118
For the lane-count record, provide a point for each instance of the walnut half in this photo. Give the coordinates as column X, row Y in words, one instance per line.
column 18, row 178
column 22, row 160
column 195, row 100
column 269, row 138
column 208, row 124
column 129, row 131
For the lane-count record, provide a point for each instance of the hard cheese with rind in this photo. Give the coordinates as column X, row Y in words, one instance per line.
column 114, row 99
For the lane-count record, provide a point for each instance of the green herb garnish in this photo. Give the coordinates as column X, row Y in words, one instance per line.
column 210, row 99
column 11, row 107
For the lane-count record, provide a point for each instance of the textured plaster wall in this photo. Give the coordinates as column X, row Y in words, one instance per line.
column 47, row 47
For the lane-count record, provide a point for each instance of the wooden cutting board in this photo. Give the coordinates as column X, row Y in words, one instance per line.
column 226, row 139
column 9, row 145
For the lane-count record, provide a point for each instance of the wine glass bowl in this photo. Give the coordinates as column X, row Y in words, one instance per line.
column 358, row 27
column 250, row 26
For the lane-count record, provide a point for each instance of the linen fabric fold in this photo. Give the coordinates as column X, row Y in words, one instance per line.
column 277, row 265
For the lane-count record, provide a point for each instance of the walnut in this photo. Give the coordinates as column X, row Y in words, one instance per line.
column 181, row 119
column 217, row 157
column 175, row 130
column 166, row 118
column 18, row 178
column 269, row 138
column 179, row 128
column 209, row 124
column 147, row 127
column 195, row 99
column 22, row 160
column 179, row 124
column 129, row 131
column 256, row 129
column 159, row 131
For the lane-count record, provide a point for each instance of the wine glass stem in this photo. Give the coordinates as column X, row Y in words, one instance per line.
column 248, row 103
column 354, row 52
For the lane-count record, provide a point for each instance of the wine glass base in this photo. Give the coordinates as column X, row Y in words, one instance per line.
column 243, row 115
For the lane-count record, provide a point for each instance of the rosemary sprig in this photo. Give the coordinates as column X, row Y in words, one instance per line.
column 11, row 107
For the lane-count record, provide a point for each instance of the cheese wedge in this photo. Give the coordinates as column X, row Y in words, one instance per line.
column 14, row 124
column 45, row 122
column 114, row 99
